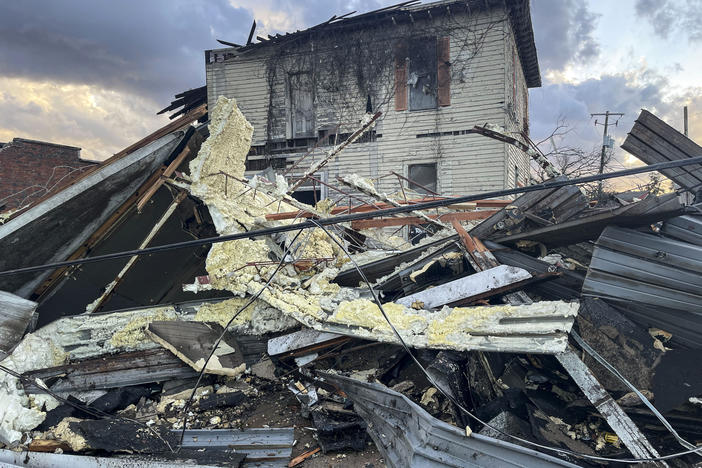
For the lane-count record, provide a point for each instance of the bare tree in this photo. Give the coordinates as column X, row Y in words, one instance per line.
column 568, row 160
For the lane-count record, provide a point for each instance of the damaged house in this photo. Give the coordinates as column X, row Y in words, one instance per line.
column 181, row 304
column 434, row 71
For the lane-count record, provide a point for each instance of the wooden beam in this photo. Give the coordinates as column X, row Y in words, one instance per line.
column 165, row 175
column 450, row 217
column 380, row 205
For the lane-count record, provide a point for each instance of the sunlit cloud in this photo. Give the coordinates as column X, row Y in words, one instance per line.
column 100, row 121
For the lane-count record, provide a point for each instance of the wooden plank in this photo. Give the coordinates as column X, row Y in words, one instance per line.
column 159, row 182
column 120, row 370
column 381, row 205
column 466, row 287
column 413, row 220
column 193, row 341
column 617, row 419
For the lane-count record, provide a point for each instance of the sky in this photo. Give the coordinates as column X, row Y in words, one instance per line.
column 93, row 73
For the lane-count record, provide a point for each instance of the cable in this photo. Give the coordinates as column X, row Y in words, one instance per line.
column 587, row 348
column 355, row 216
column 469, row 413
column 187, row 405
column 96, row 413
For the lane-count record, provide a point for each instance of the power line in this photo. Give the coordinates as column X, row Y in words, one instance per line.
column 356, row 216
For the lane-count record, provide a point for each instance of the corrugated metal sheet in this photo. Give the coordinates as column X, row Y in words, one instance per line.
column 685, row 228
column 652, row 141
column 409, row 436
column 656, row 280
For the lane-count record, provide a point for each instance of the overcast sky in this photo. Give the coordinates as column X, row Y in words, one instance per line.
column 92, row 73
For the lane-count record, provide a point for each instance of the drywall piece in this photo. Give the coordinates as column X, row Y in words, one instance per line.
column 408, row 436
column 464, row 288
column 262, row 446
column 302, row 341
column 193, row 341
column 111, row 371
column 65, row 220
column 15, row 314
column 617, row 419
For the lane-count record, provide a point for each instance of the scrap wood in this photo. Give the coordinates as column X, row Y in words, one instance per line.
column 111, row 371
column 165, row 174
column 410, row 220
column 380, row 205
column 302, row 457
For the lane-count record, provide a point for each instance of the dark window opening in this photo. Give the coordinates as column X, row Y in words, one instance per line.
column 301, row 104
column 310, row 197
column 263, row 164
column 423, row 176
column 422, row 79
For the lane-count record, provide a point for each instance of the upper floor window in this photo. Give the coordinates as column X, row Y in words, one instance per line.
column 300, row 90
column 422, row 74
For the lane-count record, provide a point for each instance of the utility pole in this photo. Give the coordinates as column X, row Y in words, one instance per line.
column 605, row 144
column 685, row 120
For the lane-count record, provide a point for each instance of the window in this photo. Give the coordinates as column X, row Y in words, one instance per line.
column 424, row 176
column 422, row 65
column 301, row 105
column 422, row 74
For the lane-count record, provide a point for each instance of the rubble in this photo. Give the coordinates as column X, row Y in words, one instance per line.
column 538, row 331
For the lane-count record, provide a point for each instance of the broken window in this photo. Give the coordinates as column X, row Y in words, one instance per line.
column 422, row 79
column 301, row 105
column 423, row 176
column 423, row 66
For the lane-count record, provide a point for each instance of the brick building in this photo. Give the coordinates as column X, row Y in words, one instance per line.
column 29, row 169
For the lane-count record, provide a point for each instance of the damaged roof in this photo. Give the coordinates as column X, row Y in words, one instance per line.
column 519, row 17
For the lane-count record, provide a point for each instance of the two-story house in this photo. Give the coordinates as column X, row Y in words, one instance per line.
column 434, row 70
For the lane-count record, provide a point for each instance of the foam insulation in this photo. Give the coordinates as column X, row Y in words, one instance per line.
column 541, row 327
column 18, row 412
column 63, row 432
column 309, row 297
column 259, row 318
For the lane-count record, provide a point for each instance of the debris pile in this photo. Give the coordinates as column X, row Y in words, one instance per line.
column 250, row 329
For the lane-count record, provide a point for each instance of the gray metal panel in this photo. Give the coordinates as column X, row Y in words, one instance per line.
column 655, row 280
column 61, row 223
column 408, row 436
column 264, row 447
column 685, row 228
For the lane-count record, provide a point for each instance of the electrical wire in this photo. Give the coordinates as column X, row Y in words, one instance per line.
column 253, row 298
column 96, row 413
column 469, row 413
column 356, row 216
column 588, row 349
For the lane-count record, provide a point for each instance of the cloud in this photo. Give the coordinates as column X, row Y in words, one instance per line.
column 150, row 48
column 668, row 17
column 564, row 33
column 99, row 121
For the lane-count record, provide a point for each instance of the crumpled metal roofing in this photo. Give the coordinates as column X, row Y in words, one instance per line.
column 655, row 279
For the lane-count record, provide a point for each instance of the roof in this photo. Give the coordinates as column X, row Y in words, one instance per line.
column 519, row 14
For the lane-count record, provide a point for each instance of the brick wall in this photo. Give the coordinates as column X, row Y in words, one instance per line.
column 29, row 169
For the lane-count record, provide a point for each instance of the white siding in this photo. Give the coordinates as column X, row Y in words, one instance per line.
column 466, row 163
